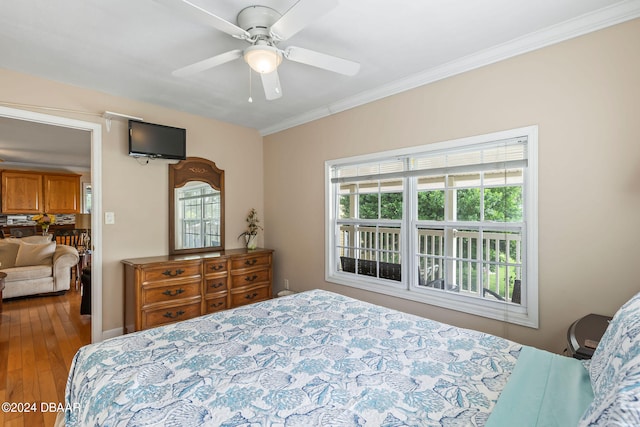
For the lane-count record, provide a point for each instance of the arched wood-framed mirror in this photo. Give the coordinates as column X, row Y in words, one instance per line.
column 196, row 206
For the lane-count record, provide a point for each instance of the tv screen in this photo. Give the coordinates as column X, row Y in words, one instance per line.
column 157, row 141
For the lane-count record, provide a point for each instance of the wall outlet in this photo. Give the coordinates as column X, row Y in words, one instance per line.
column 286, row 284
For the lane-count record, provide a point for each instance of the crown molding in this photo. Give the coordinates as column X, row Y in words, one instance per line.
column 584, row 24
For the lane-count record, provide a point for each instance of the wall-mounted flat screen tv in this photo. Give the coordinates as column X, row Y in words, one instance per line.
column 157, row 141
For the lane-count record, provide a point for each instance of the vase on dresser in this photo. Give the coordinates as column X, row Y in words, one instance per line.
column 251, row 241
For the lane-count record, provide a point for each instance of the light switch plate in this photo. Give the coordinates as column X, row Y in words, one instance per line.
column 109, row 218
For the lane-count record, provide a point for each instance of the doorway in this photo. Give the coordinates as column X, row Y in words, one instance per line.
column 95, row 131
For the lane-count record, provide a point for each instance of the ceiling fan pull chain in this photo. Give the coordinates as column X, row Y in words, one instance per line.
column 250, row 99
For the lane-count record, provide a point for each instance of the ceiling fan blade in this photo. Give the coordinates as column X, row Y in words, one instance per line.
column 322, row 60
column 189, row 9
column 299, row 16
column 205, row 64
column 271, row 85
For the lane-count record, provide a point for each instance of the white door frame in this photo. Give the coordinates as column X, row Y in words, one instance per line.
column 96, row 180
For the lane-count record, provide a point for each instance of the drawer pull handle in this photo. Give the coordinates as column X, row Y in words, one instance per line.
column 171, row 274
column 173, row 294
column 217, row 267
column 250, row 278
column 216, row 285
column 216, row 304
column 251, row 296
column 170, row 315
column 251, row 261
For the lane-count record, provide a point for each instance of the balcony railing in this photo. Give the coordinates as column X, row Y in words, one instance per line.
column 483, row 263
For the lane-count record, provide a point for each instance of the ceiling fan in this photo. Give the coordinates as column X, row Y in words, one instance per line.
column 263, row 28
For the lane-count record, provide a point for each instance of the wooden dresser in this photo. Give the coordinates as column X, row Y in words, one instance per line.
column 165, row 289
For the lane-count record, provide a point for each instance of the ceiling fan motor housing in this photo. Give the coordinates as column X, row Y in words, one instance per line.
column 257, row 20
column 263, row 57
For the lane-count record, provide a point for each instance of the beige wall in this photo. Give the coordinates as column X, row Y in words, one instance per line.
column 136, row 193
column 585, row 96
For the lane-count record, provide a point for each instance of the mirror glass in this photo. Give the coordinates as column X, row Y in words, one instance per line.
column 196, row 192
column 197, row 221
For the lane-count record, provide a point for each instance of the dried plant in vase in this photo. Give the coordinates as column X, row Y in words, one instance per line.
column 251, row 233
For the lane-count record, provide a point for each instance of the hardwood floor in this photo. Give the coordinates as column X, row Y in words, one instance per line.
column 38, row 339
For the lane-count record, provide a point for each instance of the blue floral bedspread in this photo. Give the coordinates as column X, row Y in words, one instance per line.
column 310, row 359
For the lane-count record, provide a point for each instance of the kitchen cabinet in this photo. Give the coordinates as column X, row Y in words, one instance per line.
column 61, row 193
column 27, row 192
column 21, row 192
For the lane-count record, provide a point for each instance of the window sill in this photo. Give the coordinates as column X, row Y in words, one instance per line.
column 498, row 310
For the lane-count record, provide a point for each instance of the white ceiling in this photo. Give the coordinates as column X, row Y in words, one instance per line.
column 25, row 145
column 129, row 48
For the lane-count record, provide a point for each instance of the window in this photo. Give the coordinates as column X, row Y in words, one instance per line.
column 451, row 224
column 86, row 197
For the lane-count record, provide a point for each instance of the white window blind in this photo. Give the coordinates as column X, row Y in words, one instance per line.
column 494, row 155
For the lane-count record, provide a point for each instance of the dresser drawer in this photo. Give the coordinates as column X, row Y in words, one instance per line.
column 216, row 304
column 250, row 295
column 250, row 278
column 215, row 284
column 152, row 295
column 215, row 266
column 250, row 261
column 161, row 316
column 170, row 271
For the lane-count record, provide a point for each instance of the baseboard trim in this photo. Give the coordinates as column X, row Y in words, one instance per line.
column 112, row 333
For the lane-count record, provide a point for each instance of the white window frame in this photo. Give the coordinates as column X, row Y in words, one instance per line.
column 525, row 314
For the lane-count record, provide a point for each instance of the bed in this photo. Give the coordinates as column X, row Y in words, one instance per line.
column 321, row 359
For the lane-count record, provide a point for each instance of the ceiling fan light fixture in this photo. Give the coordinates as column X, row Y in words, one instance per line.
column 263, row 59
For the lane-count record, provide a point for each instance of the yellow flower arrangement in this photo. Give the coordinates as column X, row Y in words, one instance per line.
column 44, row 220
